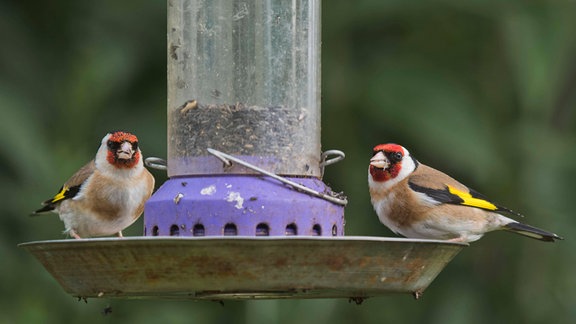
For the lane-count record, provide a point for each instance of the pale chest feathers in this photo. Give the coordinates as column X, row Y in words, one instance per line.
column 383, row 208
column 397, row 206
column 114, row 197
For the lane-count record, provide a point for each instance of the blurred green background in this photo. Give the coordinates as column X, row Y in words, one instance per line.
column 484, row 90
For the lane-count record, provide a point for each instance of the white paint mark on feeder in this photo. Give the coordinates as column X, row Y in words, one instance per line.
column 178, row 197
column 235, row 196
column 208, row 191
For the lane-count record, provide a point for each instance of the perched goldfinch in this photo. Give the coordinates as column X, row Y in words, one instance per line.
column 417, row 201
column 106, row 195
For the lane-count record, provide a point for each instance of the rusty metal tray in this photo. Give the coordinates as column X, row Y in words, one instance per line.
column 218, row 268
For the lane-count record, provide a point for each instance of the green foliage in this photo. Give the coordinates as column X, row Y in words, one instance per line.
column 483, row 90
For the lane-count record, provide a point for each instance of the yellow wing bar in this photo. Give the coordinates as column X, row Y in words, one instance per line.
column 468, row 200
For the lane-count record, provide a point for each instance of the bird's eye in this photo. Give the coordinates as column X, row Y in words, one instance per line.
column 113, row 145
column 396, row 157
column 135, row 146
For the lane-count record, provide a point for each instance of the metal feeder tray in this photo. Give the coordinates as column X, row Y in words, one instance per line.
column 218, row 268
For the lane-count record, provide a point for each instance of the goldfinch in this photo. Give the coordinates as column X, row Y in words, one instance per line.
column 417, row 201
column 106, row 195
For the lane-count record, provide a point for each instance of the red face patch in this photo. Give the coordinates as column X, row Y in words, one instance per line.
column 115, row 140
column 390, row 147
column 381, row 175
column 393, row 170
column 120, row 137
column 123, row 164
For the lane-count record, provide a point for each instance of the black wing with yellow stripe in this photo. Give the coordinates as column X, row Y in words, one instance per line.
column 70, row 189
column 64, row 193
column 454, row 196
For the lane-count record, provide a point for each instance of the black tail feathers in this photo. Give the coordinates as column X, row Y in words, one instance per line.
column 46, row 208
column 532, row 232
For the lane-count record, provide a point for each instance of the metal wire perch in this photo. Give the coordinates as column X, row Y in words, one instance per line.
column 226, row 158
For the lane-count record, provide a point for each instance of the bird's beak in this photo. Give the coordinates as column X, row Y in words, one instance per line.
column 125, row 151
column 379, row 161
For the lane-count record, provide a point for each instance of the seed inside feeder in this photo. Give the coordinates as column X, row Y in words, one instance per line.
column 267, row 134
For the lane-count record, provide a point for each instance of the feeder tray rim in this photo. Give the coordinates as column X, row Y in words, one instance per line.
column 382, row 239
column 232, row 267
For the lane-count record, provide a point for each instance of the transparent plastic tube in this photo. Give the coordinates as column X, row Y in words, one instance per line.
column 244, row 79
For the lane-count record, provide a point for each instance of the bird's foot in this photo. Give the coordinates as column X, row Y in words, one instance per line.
column 74, row 235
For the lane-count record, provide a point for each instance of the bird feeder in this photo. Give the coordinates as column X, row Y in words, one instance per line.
column 244, row 81
column 244, row 213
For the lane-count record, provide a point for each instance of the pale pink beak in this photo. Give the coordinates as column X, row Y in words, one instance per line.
column 379, row 161
column 125, row 151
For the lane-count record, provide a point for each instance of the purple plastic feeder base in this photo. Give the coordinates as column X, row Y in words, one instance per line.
column 240, row 205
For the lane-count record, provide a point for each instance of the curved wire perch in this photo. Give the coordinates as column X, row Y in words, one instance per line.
column 227, row 158
column 325, row 161
column 155, row 163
